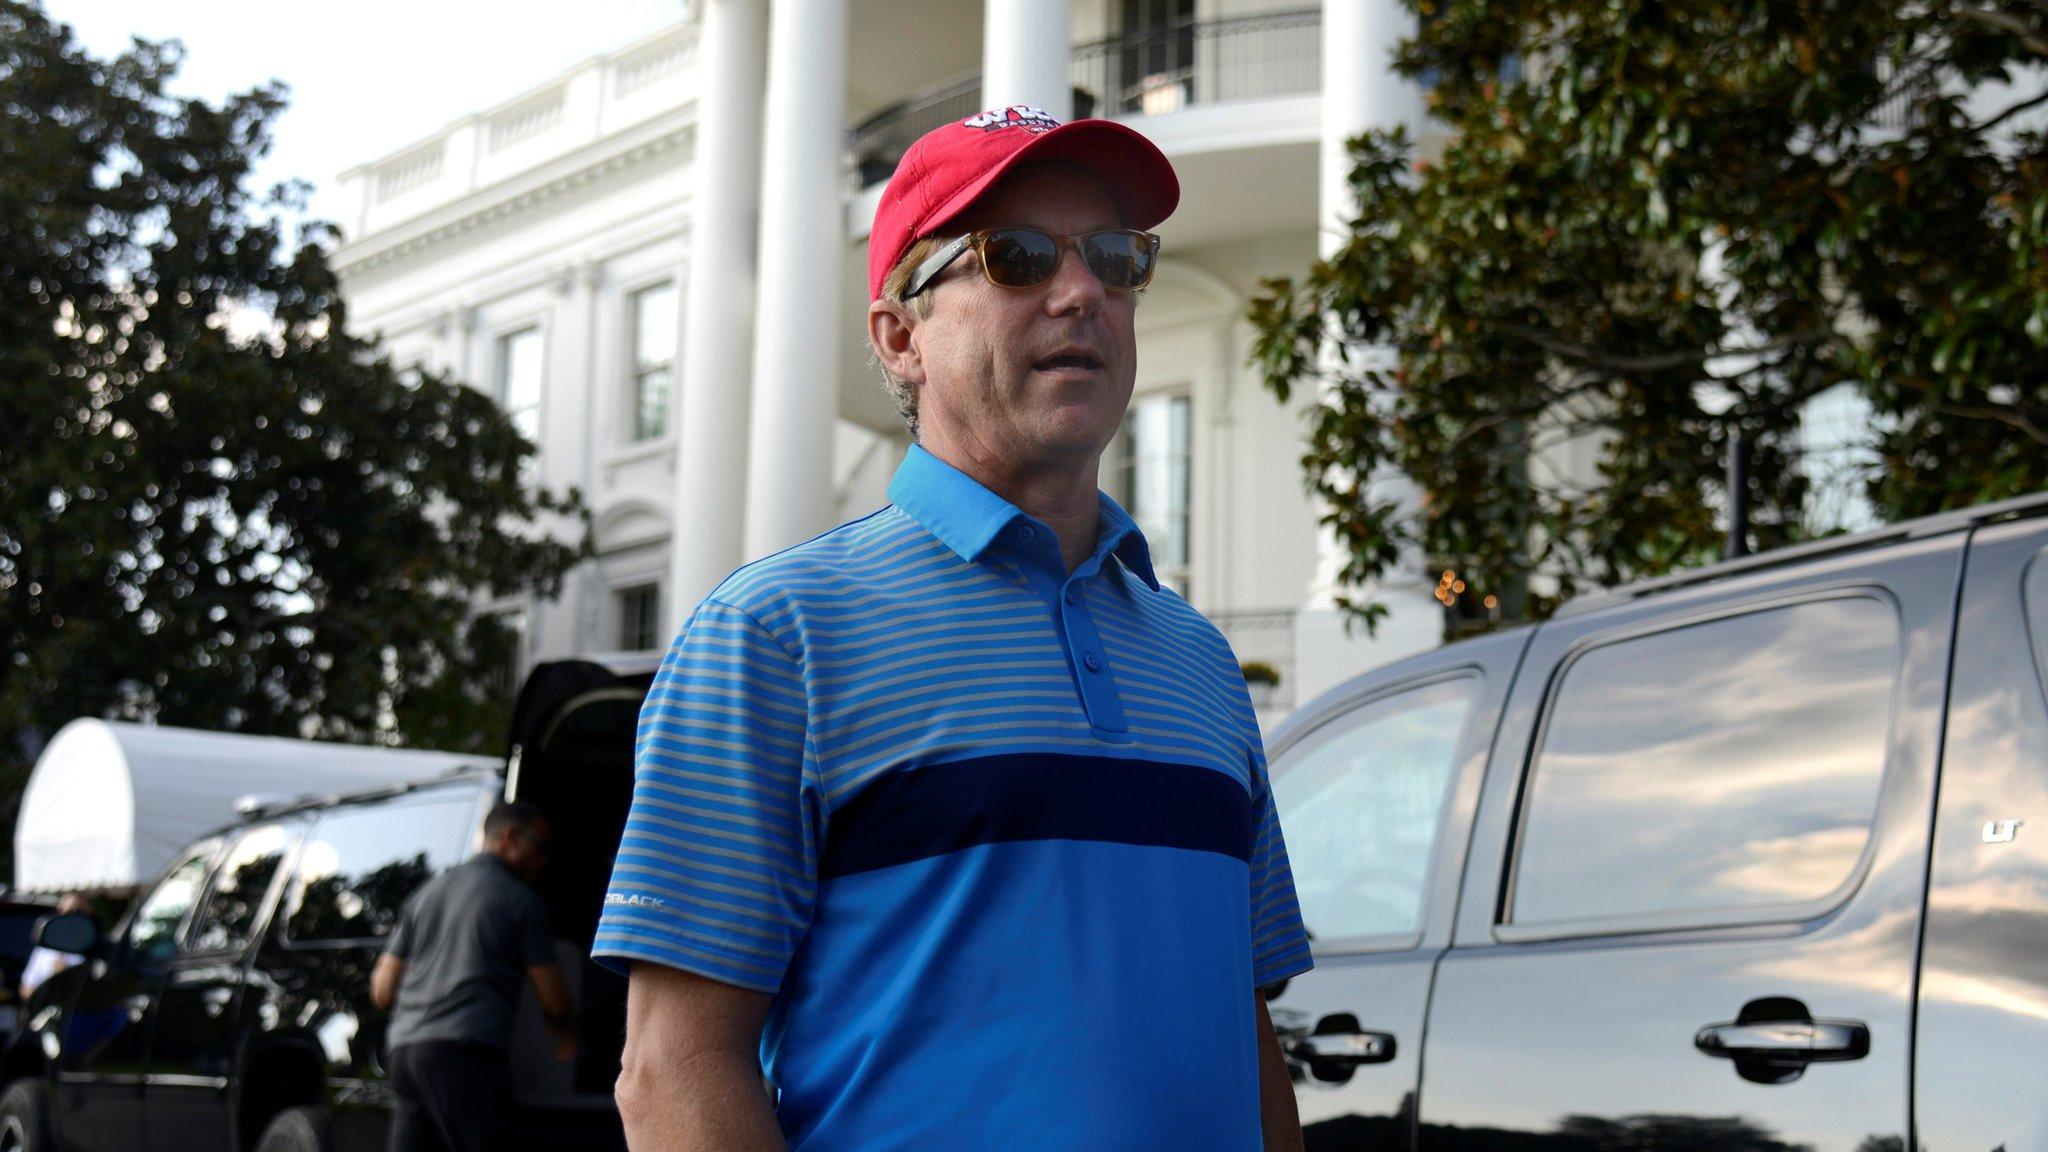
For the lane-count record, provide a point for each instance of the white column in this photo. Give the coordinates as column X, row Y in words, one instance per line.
column 708, row 517
column 454, row 327
column 1024, row 55
column 1361, row 91
column 803, row 240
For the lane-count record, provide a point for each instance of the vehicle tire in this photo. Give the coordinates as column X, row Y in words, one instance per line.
column 298, row 1130
column 25, row 1118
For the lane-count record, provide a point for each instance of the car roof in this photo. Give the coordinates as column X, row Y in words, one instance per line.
column 464, row 775
column 1941, row 523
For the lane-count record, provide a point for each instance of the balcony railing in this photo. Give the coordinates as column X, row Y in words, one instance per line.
column 1143, row 73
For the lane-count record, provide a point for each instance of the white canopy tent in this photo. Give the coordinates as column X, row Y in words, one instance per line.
column 110, row 803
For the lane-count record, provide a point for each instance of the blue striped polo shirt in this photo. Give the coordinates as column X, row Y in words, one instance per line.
column 998, row 838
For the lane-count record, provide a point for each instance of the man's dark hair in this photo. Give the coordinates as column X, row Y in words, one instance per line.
column 521, row 814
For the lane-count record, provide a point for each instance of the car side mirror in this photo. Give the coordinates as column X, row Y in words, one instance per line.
column 71, row 932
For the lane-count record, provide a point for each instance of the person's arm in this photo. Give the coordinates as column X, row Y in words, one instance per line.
column 384, row 980
column 1279, row 1120
column 690, row 1079
column 551, row 988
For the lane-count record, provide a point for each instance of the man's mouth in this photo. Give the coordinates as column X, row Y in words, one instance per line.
column 1068, row 359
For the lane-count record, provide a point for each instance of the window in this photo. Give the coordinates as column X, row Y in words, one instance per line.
column 1155, row 482
column 1709, row 772
column 1362, row 807
column 1158, row 58
column 2036, row 597
column 498, row 640
column 227, row 921
column 361, row 862
column 654, row 351
column 153, row 933
column 639, row 617
column 520, row 366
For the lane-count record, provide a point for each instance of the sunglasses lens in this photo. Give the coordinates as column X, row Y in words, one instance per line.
column 1121, row 260
column 1020, row 257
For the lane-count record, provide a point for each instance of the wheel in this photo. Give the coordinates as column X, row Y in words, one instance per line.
column 25, row 1118
column 294, row 1130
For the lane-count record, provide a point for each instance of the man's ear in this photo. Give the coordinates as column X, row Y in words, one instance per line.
column 891, row 328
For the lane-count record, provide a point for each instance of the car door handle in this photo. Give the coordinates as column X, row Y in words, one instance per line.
column 1800, row 1041
column 1338, row 1042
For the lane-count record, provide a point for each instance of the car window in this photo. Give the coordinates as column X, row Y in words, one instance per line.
column 1729, row 765
column 1361, row 803
column 361, row 862
column 17, row 932
column 2037, row 614
column 153, row 932
column 227, row 918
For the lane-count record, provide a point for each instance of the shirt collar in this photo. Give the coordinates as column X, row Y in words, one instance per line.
column 967, row 517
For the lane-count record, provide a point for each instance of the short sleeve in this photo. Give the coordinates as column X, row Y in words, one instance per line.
column 717, row 868
column 399, row 943
column 1279, row 942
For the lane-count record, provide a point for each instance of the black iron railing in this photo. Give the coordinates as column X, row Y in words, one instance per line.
column 1211, row 62
column 1144, row 73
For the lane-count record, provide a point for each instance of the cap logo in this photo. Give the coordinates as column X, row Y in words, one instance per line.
column 1033, row 120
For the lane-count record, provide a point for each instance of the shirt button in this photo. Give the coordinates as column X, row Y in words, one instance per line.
column 1027, row 533
column 1092, row 661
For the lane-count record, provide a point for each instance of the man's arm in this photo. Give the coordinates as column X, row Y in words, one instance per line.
column 551, row 988
column 384, row 980
column 1278, row 1119
column 690, row 1080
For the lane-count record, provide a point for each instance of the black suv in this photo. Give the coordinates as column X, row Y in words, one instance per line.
column 230, row 1010
column 1751, row 858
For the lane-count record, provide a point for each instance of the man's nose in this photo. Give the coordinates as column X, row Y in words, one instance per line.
column 1073, row 286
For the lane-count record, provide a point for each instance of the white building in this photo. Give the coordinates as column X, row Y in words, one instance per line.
column 656, row 263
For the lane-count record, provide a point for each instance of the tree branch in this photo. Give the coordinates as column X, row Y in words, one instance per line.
column 1598, row 360
column 1991, row 18
column 2013, row 111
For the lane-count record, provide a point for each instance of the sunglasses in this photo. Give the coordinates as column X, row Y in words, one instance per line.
column 1122, row 258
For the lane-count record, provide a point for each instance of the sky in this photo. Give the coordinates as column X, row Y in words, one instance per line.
column 368, row 77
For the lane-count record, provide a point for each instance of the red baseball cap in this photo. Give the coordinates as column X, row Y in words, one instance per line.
column 948, row 169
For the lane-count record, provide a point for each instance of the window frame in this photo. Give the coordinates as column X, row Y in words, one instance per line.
column 501, row 376
column 294, row 831
column 620, row 594
column 1124, row 461
column 1790, row 913
column 1345, row 721
column 208, row 852
column 281, row 919
column 636, row 372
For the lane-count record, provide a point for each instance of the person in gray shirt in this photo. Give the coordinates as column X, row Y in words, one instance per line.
column 450, row 977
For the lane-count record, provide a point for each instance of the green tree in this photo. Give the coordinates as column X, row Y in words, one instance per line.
column 1660, row 227
column 218, row 507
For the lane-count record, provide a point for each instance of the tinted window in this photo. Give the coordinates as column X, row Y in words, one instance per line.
column 361, row 862
column 1729, row 765
column 235, row 900
column 1361, row 803
column 153, row 933
column 17, row 932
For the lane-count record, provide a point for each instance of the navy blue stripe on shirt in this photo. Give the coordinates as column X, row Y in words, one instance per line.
column 934, row 809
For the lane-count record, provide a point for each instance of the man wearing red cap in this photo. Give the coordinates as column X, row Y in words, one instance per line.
column 954, row 821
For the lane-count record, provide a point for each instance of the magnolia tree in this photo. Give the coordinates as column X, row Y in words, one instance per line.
column 1656, row 233
column 217, row 507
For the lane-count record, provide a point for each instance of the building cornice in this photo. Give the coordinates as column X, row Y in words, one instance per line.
column 605, row 159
